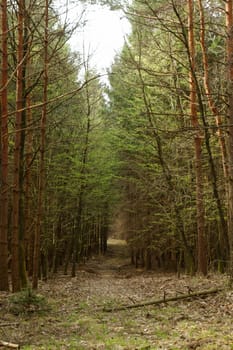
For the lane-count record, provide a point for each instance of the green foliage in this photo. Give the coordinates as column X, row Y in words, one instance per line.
column 27, row 302
column 149, row 106
column 130, row 155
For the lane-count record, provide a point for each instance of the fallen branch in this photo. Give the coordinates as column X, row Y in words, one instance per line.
column 9, row 345
column 9, row 324
column 165, row 300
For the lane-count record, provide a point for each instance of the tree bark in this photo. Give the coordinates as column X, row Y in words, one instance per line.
column 229, row 55
column 212, row 106
column 201, row 241
column 28, row 217
column 16, row 285
column 78, row 227
column 41, row 184
column 224, row 242
column 4, row 284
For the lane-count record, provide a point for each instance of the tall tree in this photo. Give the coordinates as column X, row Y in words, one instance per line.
column 209, row 94
column 4, row 284
column 229, row 55
column 41, row 177
column 202, row 253
column 16, row 282
column 223, row 241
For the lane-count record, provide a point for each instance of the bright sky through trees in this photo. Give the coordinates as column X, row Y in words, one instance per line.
column 102, row 36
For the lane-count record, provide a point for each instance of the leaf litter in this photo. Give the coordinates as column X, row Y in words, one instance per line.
column 76, row 320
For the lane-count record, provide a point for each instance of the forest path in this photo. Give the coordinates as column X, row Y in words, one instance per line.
column 116, row 260
column 76, row 319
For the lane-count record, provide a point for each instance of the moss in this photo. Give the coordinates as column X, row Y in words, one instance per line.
column 27, row 302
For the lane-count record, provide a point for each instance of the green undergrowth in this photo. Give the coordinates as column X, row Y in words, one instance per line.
column 70, row 315
column 27, row 302
column 136, row 329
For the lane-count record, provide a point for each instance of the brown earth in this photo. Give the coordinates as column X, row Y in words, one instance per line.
column 74, row 317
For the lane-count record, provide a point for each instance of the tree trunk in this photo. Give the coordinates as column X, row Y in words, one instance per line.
column 229, row 55
column 224, row 242
column 201, row 241
column 78, row 226
column 213, row 108
column 4, row 284
column 16, row 285
column 28, row 217
column 41, row 183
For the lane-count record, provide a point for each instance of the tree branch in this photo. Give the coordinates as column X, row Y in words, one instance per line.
column 165, row 300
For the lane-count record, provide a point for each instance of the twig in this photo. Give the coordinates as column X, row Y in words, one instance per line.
column 165, row 300
column 131, row 299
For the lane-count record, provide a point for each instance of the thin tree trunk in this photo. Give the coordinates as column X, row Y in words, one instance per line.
column 212, row 105
column 22, row 261
column 27, row 207
column 28, row 217
column 4, row 284
column 16, row 285
column 41, row 184
column 201, row 241
column 78, row 228
column 224, row 242
column 229, row 55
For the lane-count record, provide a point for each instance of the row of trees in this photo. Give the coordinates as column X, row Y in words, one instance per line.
column 172, row 103
column 156, row 155
column 55, row 172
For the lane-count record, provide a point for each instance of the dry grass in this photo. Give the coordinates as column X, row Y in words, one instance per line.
column 76, row 320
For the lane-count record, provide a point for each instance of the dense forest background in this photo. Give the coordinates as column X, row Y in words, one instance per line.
column 149, row 156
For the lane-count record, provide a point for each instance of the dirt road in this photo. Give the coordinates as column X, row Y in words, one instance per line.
column 75, row 319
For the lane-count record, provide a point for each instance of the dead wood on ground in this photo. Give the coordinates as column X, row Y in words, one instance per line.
column 165, row 300
column 6, row 344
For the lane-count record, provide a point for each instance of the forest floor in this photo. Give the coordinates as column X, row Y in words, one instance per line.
column 73, row 316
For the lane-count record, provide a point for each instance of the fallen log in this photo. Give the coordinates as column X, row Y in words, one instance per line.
column 165, row 300
column 9, row 345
